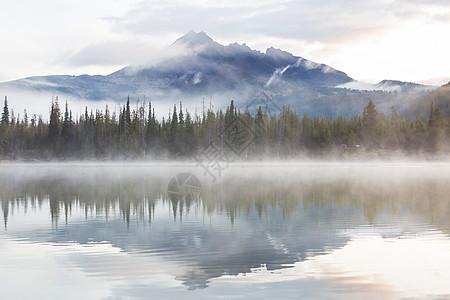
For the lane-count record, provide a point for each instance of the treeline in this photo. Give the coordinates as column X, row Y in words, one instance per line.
column 138, row 133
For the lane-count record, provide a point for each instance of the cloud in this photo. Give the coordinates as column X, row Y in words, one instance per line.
column 68, row 39
column 125, row 53
column 111, row 53
column 438, row 81
column 324, row 20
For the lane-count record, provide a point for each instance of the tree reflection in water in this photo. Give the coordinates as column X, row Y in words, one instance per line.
column 284, row 212
column 136, row 194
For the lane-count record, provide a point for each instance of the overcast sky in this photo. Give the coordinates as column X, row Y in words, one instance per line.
column 370, row 40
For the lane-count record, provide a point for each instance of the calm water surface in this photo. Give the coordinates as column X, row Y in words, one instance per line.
column 261, row 230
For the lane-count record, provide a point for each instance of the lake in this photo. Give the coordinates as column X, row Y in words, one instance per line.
column 279, row 230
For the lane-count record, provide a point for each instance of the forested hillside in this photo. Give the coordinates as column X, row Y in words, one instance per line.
column 140, row 134
column 439, row 98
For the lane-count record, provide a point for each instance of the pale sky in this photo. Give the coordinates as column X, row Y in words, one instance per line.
column 370, row 40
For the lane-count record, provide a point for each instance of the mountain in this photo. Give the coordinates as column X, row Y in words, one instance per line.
column 389, row 86
column 439, row 98
column 402, row 86
column 212, row 68
column 199, row 67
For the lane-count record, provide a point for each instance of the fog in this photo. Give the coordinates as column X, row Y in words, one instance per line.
column 370, row 177
column 384, row 86
column 39, row 103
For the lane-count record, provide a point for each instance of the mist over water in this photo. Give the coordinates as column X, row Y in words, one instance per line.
column 310, row 229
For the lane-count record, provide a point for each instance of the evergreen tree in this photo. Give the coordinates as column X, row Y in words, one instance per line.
column 4, row 123
column 370, row 123
column 190, row 139
column 393, row 130
column 122, row 123
column 151, row 133
column 128, row 114
column 181, row 132
column 307, row 130
column 67, row 131
column 173, row 133
column 260, row 131
column 5, row 114
column 419, row 133
column 54, row 126
column 108, row 130
column 340, row 131
column 181, row 116
column 436, row 135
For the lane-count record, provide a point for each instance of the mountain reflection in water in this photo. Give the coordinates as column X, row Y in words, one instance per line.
column 256, row 218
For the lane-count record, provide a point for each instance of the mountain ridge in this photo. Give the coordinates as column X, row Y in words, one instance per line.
column 205, row 68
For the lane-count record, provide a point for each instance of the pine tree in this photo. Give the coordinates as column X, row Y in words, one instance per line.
column 5, row 114
column 54, row 126
column 180, row 116
column 173, row 133
column 436, row 135
column 128, row 114
column 153, row 131
column 260, row 130
column 370, row 123
column 190, row 139
column 393, row 130
column 181, row 133
column 67, row 131
column 108, row 130
column 306, row 136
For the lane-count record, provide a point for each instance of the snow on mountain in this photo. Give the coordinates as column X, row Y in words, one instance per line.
column 198, row 67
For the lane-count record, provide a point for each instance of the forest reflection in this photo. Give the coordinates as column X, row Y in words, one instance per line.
column 134, row 195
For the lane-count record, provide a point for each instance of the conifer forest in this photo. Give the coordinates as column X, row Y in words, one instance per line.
column 137, row 133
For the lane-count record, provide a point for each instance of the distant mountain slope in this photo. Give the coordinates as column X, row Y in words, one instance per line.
column 401, row 86
column 389, row 86
column 440, row 98
column 206, row 69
